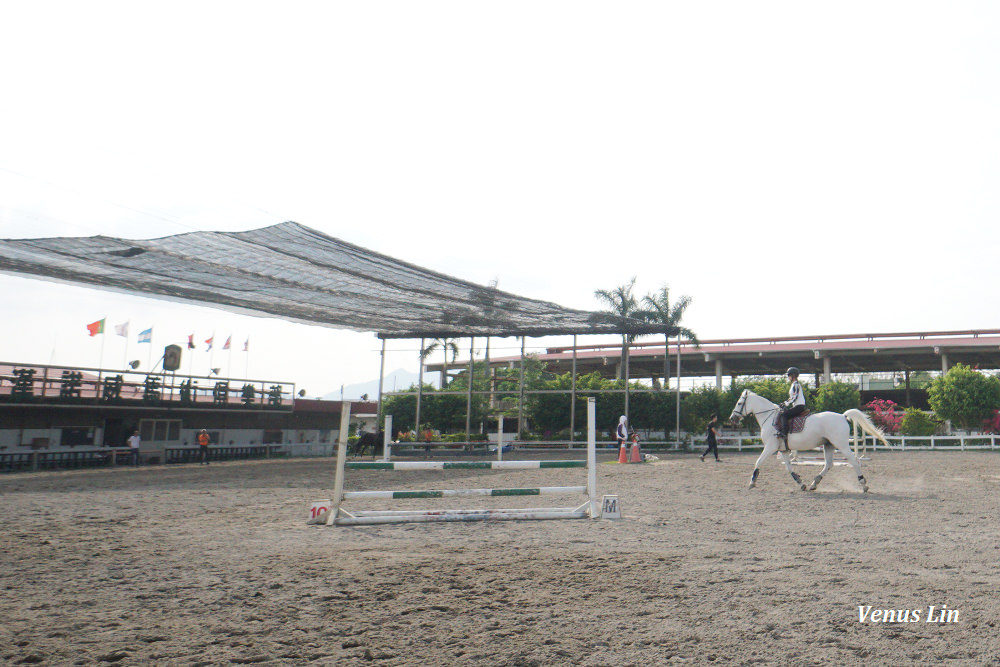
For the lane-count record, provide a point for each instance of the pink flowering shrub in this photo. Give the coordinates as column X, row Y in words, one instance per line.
column 883, row 414
column 992, row 425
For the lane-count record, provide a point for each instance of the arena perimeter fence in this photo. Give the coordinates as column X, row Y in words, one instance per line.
column 896, row 442
column 117, row 456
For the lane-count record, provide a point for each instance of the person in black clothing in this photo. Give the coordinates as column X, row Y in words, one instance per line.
column 710, row 438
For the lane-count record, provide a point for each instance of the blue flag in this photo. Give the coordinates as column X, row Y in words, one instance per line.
column 146, row 336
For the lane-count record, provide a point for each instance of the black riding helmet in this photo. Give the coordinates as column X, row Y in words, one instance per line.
column 792, row 370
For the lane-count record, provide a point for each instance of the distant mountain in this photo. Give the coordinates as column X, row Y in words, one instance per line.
column 398, row 379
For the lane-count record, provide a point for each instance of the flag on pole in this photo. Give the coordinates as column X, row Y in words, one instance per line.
column 246, row 345
column 227, row 344
column 95, row 328
column 191, row 342
column 122, row 330
column 146, row 336
column 208, row 341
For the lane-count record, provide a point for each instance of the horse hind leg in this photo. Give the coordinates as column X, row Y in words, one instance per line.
column 828, row 450
column 845, row 449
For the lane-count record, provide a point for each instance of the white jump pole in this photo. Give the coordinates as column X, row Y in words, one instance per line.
column 445, row 493
column 338, row 481
column 462, row 465
column 592, row 456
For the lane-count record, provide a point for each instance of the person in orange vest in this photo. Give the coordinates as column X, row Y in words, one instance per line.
column 204, row 440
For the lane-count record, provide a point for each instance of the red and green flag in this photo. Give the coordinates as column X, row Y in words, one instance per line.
column 95, row 328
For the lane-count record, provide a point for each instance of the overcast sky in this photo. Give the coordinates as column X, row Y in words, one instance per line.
column 794, row 167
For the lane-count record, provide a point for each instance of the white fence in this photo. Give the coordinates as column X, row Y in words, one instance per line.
column 310, row 449
column 896, row 442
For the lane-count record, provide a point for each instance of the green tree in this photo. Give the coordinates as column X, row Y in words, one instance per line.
column 446, row 345
column 403, row 408
column 650, row 409
column 917, row 422
column 836, row 397
column 965, row 396
column 772, row 389
column 701, row 404
column 478, row 407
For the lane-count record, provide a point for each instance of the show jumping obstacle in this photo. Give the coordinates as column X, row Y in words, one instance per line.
column 338, row 516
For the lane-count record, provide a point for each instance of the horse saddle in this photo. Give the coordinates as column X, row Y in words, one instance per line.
column 798, row 422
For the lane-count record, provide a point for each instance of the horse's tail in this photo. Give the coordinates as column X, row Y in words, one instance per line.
column 859, row 418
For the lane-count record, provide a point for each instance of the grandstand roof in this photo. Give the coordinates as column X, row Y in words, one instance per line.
column 844, row 353
column 296, row 273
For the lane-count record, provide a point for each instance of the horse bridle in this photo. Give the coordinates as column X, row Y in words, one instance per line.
column 742, row 404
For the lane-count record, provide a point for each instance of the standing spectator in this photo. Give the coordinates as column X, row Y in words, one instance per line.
column 203, row 442
column 711, row 439
column 133, row 445
column 622, row 432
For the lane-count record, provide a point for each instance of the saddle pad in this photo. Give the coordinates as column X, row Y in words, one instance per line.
column 798, row 422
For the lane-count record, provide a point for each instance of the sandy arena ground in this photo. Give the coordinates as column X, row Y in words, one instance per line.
column 196, row 565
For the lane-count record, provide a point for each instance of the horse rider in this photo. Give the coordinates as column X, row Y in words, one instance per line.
column 795, row 405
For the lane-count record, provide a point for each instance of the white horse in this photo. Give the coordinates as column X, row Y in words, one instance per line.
column 829, row 429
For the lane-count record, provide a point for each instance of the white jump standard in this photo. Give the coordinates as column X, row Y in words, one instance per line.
column 338, row 516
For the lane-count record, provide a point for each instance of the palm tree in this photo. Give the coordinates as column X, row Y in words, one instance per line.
column 447, row 345
column 623, row 306
column 659, row 310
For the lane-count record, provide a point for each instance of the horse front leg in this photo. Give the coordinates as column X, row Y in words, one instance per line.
column 770, row 447
column 787, row 460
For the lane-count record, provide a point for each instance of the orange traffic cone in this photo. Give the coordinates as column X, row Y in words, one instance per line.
column 622, row 453
column 636, row 455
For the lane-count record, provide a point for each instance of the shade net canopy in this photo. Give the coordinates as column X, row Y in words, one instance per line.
column 296, row 273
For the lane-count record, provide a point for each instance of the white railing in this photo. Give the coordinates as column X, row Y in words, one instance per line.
column 739, row 442
column 310, row 449
column 946, row 442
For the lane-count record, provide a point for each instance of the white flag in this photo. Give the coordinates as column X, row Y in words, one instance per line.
column 122, row 330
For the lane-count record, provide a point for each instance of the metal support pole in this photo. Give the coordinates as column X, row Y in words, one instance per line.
column 520, row 402
column 499, row 437
column 678, row 390
column 666, row 365
column 468, row 396
column 489, row 386
column 420, row 389
column 572, row 404
column 381, row 376
column 625, row 372
column 387, row 439
column 338, row 480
